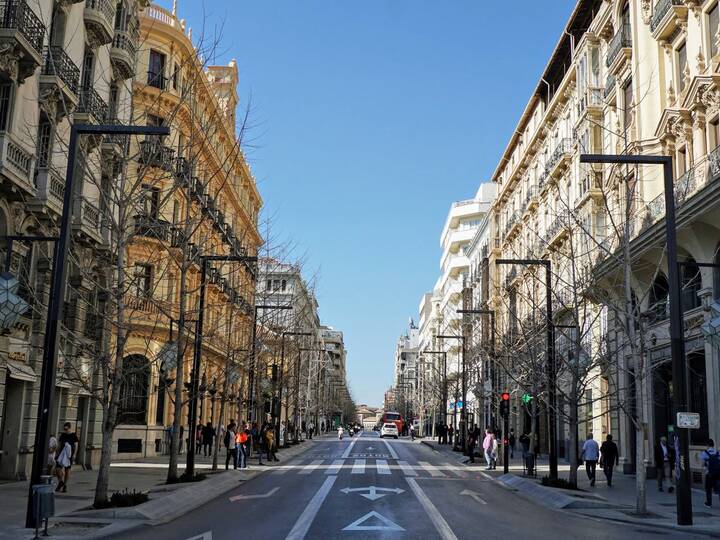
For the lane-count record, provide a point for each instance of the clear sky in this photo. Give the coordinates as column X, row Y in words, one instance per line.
column 370, row 118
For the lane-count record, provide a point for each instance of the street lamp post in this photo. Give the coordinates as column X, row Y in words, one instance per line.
column 195, row 374
column 550, row 368
column 677, row 344
column 57, row 298
column 463, row 413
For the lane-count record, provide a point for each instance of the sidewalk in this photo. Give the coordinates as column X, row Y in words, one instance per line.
column 616, row 503
column 74, row 516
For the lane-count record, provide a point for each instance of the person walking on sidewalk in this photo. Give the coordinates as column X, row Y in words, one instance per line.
column 665, row 464
column 590, row 454
column 270, row 437
column 412, row 432
column 450, row 432
column 230, row 446
column 472, row 441
column 487, row 448
column 70, row 438
column 208, row 436
column 495, row 451
column 711, row 462
column 609, row 457
column 311, row 429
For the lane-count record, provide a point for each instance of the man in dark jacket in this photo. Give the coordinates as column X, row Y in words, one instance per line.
column 665, row 463
column 609, row 457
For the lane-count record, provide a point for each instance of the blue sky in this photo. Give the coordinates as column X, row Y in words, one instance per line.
column 370, row 119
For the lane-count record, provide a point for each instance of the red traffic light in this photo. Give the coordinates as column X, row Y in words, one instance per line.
column 505, row 396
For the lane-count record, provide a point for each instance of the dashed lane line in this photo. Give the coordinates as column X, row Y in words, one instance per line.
column 302, row 525
column 433, row 513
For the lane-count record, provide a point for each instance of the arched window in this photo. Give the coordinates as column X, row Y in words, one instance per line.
column 691, row 284
column 659, row 298
column 134, row 390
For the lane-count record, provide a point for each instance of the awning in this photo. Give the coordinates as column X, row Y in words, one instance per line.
column 20, row 371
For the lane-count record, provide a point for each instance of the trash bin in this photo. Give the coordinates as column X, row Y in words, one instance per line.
column 530, row 464
column 43, row 505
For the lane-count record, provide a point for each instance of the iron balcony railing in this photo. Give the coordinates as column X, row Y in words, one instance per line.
column 157, row 80
column 92, row 104
column 609, row 85
column 17, row 15
column 156, row 154
column 125, row 41
column 620, row 41
column 104, row 7
column 59, row 64
column 661, row 9
column 152, row 227
column 563, row 147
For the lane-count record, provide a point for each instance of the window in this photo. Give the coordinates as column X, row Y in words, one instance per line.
column 691, row 283
column 268, row 285
column 151, row 201
column 713, row 19
column 176, row 77
column 156, row 70
column 681, row 56
column 698, row 396
column 659, row 298
column 627, row 103
column 714, row 133
column 716, row 274
column 113, row 101
column 5, row 94
column 44, row 141
column 88, row 69
column 142, row 280
column 134, row 390
column 681, row 161
column 57, row 26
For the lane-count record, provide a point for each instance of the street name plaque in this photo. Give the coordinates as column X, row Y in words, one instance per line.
column 688, row 420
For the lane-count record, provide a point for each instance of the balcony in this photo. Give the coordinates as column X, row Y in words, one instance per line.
column 531, row 198
column 182, row 169
column 22, row 35
column 123, row 53
column 590, row 188
column 91, row 108
column 86, row 220
column 557, row 229
column 559, row 158
column 151, row 227
column 99, row 21
column 16, row 163
column 667, row 16
column 513, row 222
column 50, row 190
column 619, row 49
column 610, row 86
column 114, row 145
column 60, row 77
column 155, row 154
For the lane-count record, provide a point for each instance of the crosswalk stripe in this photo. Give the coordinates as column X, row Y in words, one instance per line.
column 358, row 467
column 281, row 470
column 311, row 467
column 407, row 469
column 335, row 467
column 453, row 469
column 382, row 466
column 432, row 469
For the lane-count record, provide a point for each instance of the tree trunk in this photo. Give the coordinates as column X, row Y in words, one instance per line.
column 573, row 426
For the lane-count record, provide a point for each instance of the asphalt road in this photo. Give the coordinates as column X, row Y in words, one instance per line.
column 367, row 487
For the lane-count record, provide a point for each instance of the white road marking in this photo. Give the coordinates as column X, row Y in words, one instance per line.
column 486, row 475
column 335, row 467
column 391, row 449
column 358, row 467
column 262, row 496
column 311, row 467
column 382, row 466
column 455, row 469
column 302, row 525
column 473, row 495
column 441, row 525
column 281, row 469
column 432, row 469
column 347, row 451
column 372, row 492
column 388, row 525
column 407, row 469
column 204, row 536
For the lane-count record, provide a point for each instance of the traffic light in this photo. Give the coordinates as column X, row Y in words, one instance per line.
column 505, row 404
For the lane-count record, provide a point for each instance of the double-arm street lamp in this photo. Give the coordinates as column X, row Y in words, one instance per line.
column 197, row 357
column 677, row 344
column 463, row 414
column 550, row 367
column 57, row 297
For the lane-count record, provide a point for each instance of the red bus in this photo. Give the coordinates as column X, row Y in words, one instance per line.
column 395, row 418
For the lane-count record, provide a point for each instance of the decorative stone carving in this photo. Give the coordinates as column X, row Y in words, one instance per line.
column 671, row 97
column 646, row 11
column 10, row 61
column 710, row 98
column 701, row 66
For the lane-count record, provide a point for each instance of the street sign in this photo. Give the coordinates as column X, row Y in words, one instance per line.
column 688, row 420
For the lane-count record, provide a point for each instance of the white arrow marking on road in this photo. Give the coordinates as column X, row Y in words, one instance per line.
column 372, row 492
column 473, row 495
column 388, row 525
column 204, row 536
column 263, row 496
column 371, row 448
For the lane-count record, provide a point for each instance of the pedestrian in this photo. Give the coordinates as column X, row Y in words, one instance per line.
column 63, row 464
column 590, row 454
column 609, row 457
column 511, row 441
column 487, row 448
column 472, row 441
column 665, row 464
column 230, row 445
column 70, row 438
column 198, row 437
column 270, row 439
column 303, row 429
column 438, row 430
column 525, row 444
column 711, row 462
column 412, row 432
column 208, row 436
column 255, row 438
column 245, row 440
column 52, row 454
column 450, row 432
column 281, row 442
column 311, row 429
column 494, row 453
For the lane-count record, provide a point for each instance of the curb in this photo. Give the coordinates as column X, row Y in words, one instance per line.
column 552, row 497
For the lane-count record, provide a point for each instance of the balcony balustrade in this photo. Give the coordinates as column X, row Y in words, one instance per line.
column 559, row 156
column 16, row 163
column 22, row 33
column 86, row 220
column 91, row 108
column 155, row 154
column 152, row 227
column 620, row 41
column 665, row 18
column 60, row 76
column 123, row 53
column 99, row 21
column 50, row 190
column 610, row 86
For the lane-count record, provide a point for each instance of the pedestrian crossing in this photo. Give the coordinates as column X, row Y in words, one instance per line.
column 383, row 467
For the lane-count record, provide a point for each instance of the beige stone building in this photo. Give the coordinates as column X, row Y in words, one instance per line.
column 636, row 76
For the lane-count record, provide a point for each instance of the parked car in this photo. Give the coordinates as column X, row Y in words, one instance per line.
column 389, row 429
